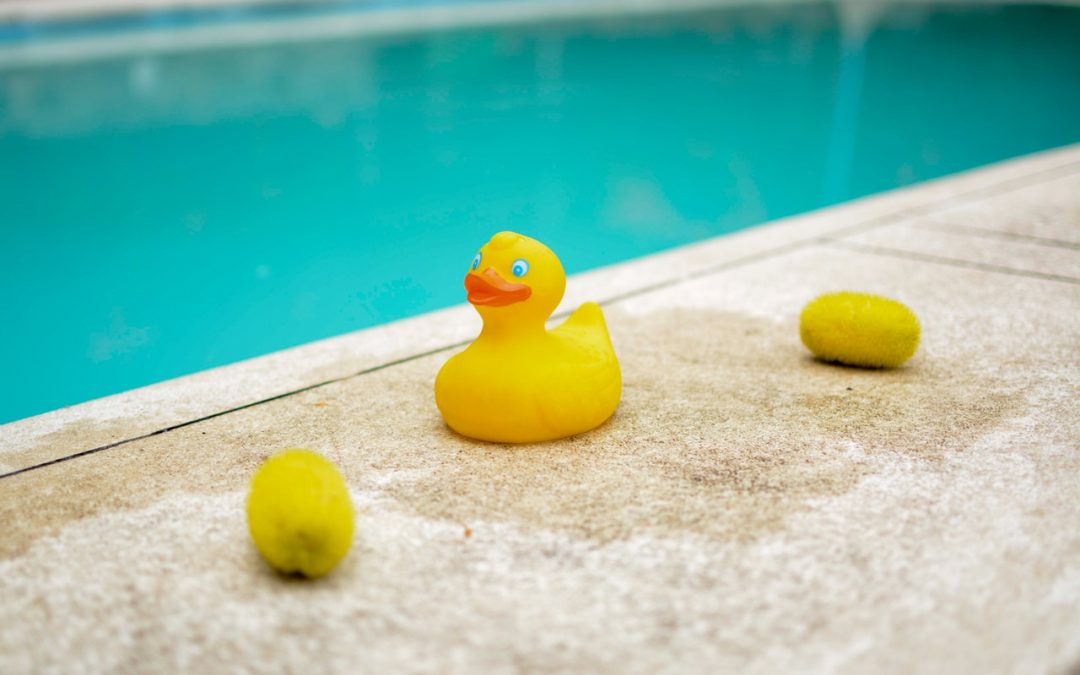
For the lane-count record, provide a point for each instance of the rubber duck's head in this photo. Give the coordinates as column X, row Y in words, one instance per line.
column 515, row 280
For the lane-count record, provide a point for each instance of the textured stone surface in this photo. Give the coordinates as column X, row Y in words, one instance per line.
column 748, row 509
column 1048, row 212
column 956, row 245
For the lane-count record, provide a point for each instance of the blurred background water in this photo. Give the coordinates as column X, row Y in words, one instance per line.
column 166, row 211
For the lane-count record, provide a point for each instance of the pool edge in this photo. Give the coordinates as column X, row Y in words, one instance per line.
column 105, row 422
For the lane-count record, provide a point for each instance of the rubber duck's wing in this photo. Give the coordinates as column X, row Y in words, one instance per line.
column 585, row 387
column 586, row 327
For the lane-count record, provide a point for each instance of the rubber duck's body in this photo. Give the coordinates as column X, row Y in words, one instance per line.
column 519, row 382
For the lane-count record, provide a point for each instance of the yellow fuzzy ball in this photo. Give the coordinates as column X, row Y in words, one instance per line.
column 299, row 513
column 859, row 329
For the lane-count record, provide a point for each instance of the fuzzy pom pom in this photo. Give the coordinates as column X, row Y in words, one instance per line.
column 859, row 329
column 299, row 513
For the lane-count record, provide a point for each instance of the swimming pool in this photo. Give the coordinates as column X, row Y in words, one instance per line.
column 167, row 211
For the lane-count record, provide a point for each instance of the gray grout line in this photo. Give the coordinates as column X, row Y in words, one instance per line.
column 1009, row 185
column 889, row 219
column 941, row 260
column 830, row 239
column 709, row 271
column 971, row 231
column 181, row 425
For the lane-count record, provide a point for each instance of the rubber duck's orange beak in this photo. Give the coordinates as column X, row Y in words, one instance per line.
column 490, row 290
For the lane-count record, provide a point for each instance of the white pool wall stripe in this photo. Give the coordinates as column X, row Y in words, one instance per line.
column 352, row 23
column 78, row 9
column 38, row 10
column 66, row 10
column 328, row 26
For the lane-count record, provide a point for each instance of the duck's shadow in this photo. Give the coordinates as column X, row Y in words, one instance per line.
column 813, row 361
column 444, row 433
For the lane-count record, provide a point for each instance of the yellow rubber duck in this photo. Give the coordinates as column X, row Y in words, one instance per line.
column 519, row 382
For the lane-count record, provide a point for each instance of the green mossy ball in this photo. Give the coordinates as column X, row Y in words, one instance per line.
column 299, row 513
column 859, row 329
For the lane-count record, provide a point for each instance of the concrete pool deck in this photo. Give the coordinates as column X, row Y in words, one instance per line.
column 747, row 509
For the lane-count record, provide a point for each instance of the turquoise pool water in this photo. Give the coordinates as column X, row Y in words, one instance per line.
column 162, row 213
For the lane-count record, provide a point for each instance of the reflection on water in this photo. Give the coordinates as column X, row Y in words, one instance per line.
column 161, row 213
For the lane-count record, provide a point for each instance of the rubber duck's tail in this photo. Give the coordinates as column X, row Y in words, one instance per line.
column 586, row 325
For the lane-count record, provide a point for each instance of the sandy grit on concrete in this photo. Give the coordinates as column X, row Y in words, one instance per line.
column 748, row 509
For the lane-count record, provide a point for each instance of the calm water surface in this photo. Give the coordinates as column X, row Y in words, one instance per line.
column 165, row 213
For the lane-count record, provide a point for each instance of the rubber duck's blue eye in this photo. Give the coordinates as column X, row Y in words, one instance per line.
column 476, row 261
column 520, row 267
